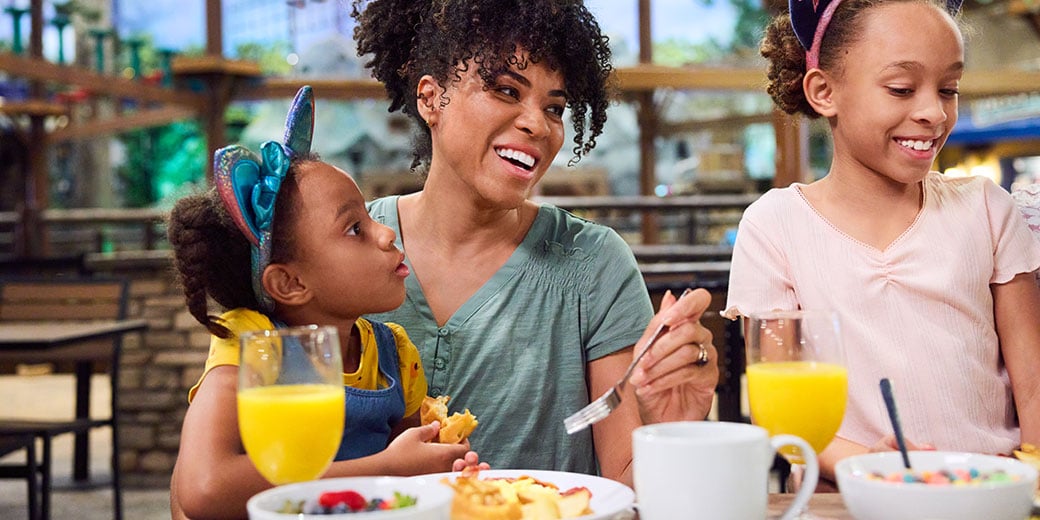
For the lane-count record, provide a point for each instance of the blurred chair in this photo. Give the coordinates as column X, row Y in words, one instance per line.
column 56, row 299
column 31, row 470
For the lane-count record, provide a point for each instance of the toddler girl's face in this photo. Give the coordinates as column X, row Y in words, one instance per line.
column 347, row 260
column 896, row 95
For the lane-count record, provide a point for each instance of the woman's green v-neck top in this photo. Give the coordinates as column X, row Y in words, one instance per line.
column 516, row 353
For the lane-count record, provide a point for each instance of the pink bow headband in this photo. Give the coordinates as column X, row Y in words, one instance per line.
column 810, row 18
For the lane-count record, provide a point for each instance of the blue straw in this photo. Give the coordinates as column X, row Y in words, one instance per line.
column 893, row 415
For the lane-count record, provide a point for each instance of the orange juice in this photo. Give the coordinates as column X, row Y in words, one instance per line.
column 802, row 398
column 291, row 432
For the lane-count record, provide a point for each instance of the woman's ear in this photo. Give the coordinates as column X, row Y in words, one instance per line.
column 426, row 100
column 284, row 286
column 819, row 91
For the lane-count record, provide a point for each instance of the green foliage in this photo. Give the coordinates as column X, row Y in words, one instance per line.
column 752, row 19
column 676, row 53
column 88, row 14
column 160, row 160
column 750, row 22
column 270, row 57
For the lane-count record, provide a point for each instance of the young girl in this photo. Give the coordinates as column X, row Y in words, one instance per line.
column 285, row 240
column 520, row 309
column 931, row 275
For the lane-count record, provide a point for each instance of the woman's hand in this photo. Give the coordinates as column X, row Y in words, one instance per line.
column 670, row 384
column 470, row 461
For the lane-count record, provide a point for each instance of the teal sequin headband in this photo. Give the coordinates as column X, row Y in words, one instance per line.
column 249, row 184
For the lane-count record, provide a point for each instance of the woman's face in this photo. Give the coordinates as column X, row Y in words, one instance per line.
column 896, row 97
column 348, row 260
column 498, row 141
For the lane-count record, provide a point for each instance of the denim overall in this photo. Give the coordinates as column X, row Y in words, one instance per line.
column 371, row 414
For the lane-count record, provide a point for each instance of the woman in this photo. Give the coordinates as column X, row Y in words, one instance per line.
column 522, row 312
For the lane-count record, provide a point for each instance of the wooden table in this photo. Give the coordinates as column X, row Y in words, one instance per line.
column 825, row 506
column 75, row 341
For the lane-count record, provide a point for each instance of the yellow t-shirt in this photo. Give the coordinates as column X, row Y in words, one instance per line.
column 367, row 376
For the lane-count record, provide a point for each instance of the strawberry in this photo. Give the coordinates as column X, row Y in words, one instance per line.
column 352, row 499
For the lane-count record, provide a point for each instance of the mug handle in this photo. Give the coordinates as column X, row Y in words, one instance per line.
column 809, row 480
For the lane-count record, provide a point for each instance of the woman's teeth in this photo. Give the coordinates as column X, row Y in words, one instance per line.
column 515, row 155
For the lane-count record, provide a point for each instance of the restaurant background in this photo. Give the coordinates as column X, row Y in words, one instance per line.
column 110, row 116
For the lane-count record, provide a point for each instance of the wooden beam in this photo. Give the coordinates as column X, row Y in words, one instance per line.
column 341, row 89
column 146, row 118
column 666, row 129
column 977, row 83
column 650, row 77
column 200, row 65
column 98, row 84
column 33, row 107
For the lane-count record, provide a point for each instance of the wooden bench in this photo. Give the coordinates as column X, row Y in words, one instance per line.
column 58, row 302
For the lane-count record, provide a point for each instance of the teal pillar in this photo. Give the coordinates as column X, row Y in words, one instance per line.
column 135, row 45
column 166, row 62
column 99, row 48
column 60, row 22
column 16, row 35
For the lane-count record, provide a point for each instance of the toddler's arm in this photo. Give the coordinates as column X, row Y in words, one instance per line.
column 213, row 477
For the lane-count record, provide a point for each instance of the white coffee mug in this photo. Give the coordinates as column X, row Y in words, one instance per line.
column 716, row 470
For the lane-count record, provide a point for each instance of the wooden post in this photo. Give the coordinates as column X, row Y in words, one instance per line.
column 37, row 187
column 219, row 90
column 647, row 117
column 792, row 149
column 214, row 29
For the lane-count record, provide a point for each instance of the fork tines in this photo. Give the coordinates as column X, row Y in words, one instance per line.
column 592, row 413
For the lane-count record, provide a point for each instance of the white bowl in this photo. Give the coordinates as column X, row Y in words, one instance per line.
column 880, row 500
column 433, row 499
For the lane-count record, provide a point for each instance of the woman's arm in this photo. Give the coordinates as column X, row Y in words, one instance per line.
column 1016, row 308
column 666, row 385
column 613, row 435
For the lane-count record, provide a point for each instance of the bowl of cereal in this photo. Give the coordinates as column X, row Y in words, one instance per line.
column 369, row 498
column 942, row 485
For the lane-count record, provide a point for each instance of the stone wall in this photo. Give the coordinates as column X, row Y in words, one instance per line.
column 158, row 366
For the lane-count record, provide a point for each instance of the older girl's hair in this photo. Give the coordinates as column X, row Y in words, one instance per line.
column 212, row 256
column 411, row 38
column 786, row 56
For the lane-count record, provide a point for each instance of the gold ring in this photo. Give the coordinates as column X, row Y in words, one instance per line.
column 702, row 356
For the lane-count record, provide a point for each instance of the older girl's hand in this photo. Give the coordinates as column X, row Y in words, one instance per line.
column 672, row 382
column 889, row 443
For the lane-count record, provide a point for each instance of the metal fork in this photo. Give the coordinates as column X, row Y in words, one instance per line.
column 599, row 409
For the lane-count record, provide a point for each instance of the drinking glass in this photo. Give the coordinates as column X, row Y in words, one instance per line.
column 291, row 401
column 796, row 375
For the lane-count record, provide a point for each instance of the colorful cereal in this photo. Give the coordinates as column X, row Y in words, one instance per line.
column 955, row 477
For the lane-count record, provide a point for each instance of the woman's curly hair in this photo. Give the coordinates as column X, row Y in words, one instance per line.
column 411, row 38
column 786, row 56
column 212, row 256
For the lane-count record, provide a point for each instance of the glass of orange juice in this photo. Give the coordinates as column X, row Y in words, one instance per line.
column 291, row 401
column 796, row 376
